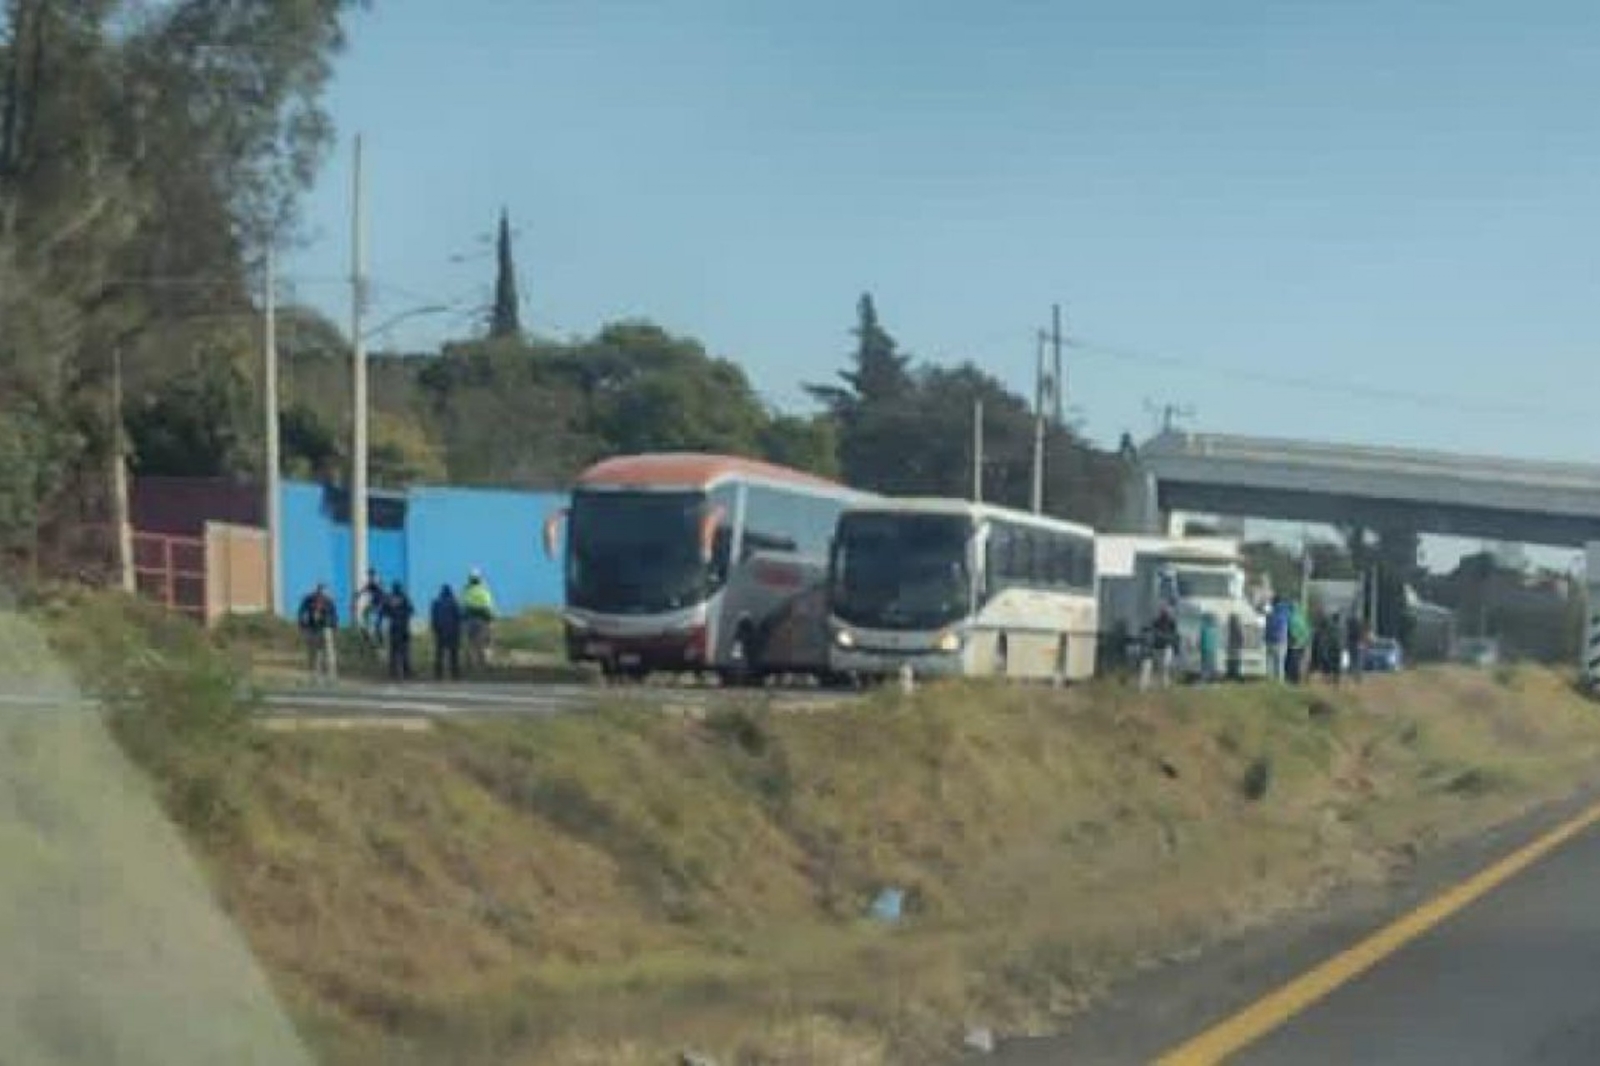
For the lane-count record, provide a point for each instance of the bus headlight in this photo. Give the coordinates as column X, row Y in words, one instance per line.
column 949, row 641
column 844, row 638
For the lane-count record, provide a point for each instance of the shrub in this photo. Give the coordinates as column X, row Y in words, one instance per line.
column 174, row 702
column 1257, row 778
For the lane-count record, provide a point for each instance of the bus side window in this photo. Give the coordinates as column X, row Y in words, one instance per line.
column 1060, row 561
column 1025, row 556
column 721, row 551
column 999, row 558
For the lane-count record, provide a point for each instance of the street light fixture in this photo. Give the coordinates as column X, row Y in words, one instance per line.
column 415, row 312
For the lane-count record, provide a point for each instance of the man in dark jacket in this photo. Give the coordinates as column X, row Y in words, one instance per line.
column 1161, row 648
column 1235, row 648
column 319, row 621
column 1355, row 643
column 397, row 613
column 445, row 620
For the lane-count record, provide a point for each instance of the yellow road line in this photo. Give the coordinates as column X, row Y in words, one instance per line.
column 1272, row 1010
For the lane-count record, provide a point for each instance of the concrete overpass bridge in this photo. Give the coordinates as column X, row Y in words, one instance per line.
column 1549, row 503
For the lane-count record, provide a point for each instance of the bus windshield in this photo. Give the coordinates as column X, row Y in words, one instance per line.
column 901, row 571
column 636, row 552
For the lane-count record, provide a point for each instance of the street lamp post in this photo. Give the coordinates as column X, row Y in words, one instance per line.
column 358, row 386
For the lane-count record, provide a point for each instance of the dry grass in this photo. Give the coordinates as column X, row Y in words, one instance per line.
column 608, row 888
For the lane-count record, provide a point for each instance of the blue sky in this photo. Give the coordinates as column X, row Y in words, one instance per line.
column 1361, row 221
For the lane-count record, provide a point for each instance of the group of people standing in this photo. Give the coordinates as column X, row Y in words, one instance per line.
column 1331, row 644
column 1297, row 646
column 387, row 619
column 1221, row 649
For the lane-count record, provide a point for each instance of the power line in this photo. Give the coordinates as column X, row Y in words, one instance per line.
column 1306, row 383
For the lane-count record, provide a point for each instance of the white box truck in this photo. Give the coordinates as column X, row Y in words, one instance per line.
column 1192, row 576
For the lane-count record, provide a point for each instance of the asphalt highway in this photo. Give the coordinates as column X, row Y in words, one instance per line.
column 1512, row 978
column 1496, row 959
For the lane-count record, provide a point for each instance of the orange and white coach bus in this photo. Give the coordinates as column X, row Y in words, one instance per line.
column 686, row 562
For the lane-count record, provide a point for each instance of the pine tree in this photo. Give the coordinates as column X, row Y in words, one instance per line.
column 880, row 372
column 506, row 320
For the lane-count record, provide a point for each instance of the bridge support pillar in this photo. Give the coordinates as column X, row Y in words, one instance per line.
column 1591, row 631
column 1141, row 505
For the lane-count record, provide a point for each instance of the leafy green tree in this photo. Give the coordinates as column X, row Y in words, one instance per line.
column 506, row 318
column 402, row 453
column 504, row 413
column 309, row 446
column 145, row 153
column 1396, row 554
column 1278, row 563
column 808, row 444
column 29, row 461
column 190, row 427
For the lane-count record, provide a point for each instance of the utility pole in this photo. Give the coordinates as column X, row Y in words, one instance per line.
column 119, row 480
column 358, row 385
column 977, row 451
column 1041, row 390
column 269, row 375
column 1057, row 382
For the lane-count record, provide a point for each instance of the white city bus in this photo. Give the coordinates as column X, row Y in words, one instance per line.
column 951, row 588
column 689, row 562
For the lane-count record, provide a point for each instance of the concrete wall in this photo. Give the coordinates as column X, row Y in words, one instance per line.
column 236, row 570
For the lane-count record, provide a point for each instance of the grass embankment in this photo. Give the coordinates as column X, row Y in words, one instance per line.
column 609, row 888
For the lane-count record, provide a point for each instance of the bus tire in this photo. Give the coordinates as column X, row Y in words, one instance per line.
column 837, row 680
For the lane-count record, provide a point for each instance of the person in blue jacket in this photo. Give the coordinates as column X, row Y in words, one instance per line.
column 1277, row 636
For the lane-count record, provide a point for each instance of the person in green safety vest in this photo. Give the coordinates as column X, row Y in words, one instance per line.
column 1299, row 644
column 1210, row 639
column 477, row 614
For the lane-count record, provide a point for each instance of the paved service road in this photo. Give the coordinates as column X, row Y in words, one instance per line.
column 1512, row 978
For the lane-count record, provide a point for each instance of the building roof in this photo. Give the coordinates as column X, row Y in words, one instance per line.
column 690, row 470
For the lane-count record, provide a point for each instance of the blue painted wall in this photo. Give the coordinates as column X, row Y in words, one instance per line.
column 450, row 531
column 447, row 532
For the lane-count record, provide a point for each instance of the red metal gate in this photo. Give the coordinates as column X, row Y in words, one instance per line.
column 172, row 570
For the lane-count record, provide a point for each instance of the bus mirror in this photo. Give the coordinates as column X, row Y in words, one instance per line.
column 708, row 532
column 552, row 531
